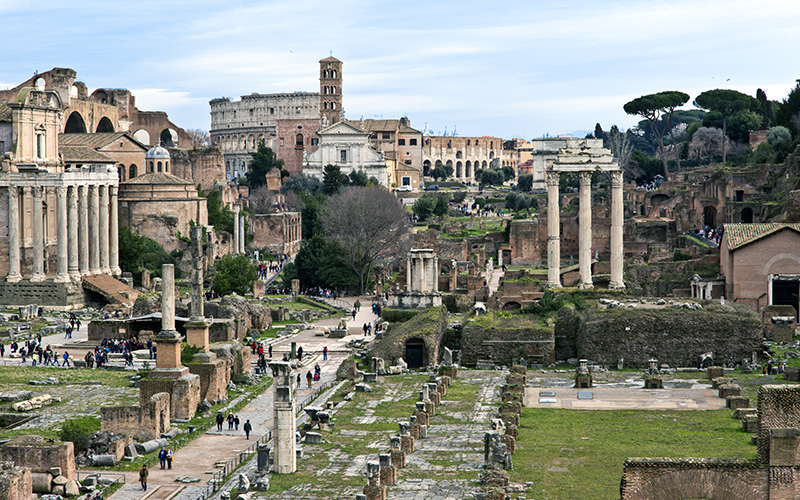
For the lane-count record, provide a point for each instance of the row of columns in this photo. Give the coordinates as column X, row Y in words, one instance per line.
column 87, row 239
column 238, row 230
column 418, row 268
column 584, row 231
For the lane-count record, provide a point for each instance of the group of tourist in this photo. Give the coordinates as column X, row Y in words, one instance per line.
column 651, row 185
column 709, row 233
column 274, row 265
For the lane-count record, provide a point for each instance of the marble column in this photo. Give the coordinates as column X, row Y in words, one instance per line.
column 616, row 281
column 197, row 312
column 83, row 230
column 585, row 230
column 94, row 236
column 38, row 234
column 13, row 235
column 241, row 234
column 114, row 227
column 61, row 235
column 436, row 272
column 72, row 225
column 105, row 268
column 235, row 229
column 284, row 419
column 553, row 231
column 167, row 298
column 408, row 273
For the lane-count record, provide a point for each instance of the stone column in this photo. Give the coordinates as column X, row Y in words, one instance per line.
column 114, row 228
column 553, row 232
column 408, row 273
column 61, row 234
column 585, row 230
column 94, row 228
column 105, row 267
column 168, row 339
column 436, row 273
column 72, row 225
column 241, row 234
column 14, row 274
column 83, row 230
column 38, row 234
column 616, row 281
column 197, row 326
column 235, row 229
column 285, row 457
column 421, row 268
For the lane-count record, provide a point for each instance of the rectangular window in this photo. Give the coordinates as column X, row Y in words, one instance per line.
column 386, row 135
column 272, row 111
column 314, row 141
column 412, row 142
column 406, row 181
column 343, row 155
column 401, row 142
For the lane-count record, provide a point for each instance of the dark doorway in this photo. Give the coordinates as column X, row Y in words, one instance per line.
column 75, row 124
column 747, row 215
column 785, row 293
column 710, row 217
column 415, row 354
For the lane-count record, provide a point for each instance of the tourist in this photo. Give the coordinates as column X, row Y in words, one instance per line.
column 298, row 380
column 66, row 359
column 236, row 422
column 309, row 377
column 270, row 350
column 285, row 357
column 354, row 314
column 162, row 457
column 220, row 420
column 230, row 421
column 358, row 305
column 169, row 458
column 324, row 353
column 143, row 473
column 300, row 354
column 247, row 428
column 364, row 327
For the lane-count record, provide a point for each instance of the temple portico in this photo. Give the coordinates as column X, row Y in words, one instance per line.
column 584, row 157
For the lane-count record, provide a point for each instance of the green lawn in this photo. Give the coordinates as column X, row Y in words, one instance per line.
column 570, row 454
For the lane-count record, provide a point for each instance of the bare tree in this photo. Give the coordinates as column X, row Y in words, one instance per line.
column 706, row 141
column 369, row 223
column 620, row 145
column 262, row 200
column 202, row 137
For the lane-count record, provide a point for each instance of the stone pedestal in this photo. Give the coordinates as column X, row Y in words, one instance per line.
column 196, row 335
column 449, row 371
column 388, row 471
column 583, row 375
column 407, row 444
column 397, row 453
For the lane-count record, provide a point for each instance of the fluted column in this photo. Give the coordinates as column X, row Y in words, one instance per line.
column 83, row 230
column 241, row 234
column 235, row 228
column 13, row 235
column 94, row 228
column 553, row 232
column 38, row 234
column 72, row 226
column 105, row 268
column 61, row 234
column 114, row 226
column 616, row 231
column 585, row 230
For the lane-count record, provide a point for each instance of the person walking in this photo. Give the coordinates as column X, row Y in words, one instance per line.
column 354, row 314
column 357, row 305
column 220, row 420
column 162, row 457
column 169, row 458
column 236, row 422
column 230, row 421
column 325, row 353
column 247, row 428
column 270, row 350
column 66, row 359
column 309, row 378
column 143, row 473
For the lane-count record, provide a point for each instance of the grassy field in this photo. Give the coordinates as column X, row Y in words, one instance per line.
column 571, row 454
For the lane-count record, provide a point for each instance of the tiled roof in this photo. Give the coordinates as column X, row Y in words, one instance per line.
column 82, row 154
column 157, row 178
column 5, row 113
column 97, row 140
column 739, row 235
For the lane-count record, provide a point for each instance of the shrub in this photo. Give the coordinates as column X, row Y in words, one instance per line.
column 79, row 431
column 679, row 256
column 234, row 274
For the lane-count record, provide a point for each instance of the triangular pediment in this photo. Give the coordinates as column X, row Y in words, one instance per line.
column 343, row 128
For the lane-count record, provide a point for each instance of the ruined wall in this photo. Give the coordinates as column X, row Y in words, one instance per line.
column 100, row 330
column 427, row 326
column 526, row 248
column 673, row 336
column 38, row 455
column 143, row 422
column 506, row 339
column 235, row 355
column 246, row 313
column 214, row 378
column 198, row 166
column 778, row 407
column 15, row 482
column 659, row 279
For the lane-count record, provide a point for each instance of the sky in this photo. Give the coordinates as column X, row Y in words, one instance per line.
column 503, row 68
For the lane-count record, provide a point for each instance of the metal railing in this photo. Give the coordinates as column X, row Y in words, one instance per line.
column 219, row 477
column 118, row 478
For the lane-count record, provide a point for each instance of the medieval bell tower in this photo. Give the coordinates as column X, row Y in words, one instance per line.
column 330, row 90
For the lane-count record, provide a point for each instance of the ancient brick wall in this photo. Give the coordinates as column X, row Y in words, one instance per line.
column 15, row 482
column 214, row 378
column 143, row 422
column 33, row 452
column 504, row 340
column 778, row 407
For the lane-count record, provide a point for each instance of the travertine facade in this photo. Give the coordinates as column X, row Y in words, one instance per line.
column 347, row 147
column 399, row 143
column 464, row 154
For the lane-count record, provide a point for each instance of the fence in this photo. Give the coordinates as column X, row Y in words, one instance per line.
column 118, row 478
column 218, row 479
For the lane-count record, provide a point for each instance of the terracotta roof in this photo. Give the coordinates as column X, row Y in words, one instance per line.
column 82, row 154
column 97, row 140
column 330, row 59
column 157, row 178
column 5, row 113
column 739, row 235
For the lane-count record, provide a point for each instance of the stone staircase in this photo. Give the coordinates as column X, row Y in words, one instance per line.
column 115, row 291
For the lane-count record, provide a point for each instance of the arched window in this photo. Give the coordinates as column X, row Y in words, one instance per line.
column 151, row 167
column 159, row 166
column 333, row 75
column 121, row 173
column 132, row 172
column 449, row 144
column 40, row 145
column 298, row 141
column 166, row 166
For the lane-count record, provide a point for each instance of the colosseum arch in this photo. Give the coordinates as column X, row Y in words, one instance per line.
column 458, row 169
column 104, row 125
column 426, row 167
column 75, row 124
column 694, row 483
column 468, row 169
column 142, row 136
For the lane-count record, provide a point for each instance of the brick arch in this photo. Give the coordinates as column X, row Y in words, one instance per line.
column 688, row 484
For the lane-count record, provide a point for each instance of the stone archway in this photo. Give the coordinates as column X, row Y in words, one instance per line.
column 512, row 306
column 426, row 167
column 746, row 216
column 142, row 136
column 105, row 125
column 710, row 216
column 696, row 483
column 416, row 353
column 75, row 124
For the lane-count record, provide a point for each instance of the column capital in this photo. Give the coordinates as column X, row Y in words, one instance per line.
column 616, row 178
column 585, row 176
column 552, row 177
column 61, row 191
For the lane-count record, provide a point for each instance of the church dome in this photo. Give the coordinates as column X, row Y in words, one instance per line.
column 157, row 153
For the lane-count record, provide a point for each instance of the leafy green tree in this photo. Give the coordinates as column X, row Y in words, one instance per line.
column 332, row 179
column 263, row 160
column 423, row 207
column 79, row 431
column 508, row 173
column 233, row 274
column 767, row 108
column 138, row 252
column 727, row 103
column 219, row 215
column 368, row 223
column 320, row 263
column 525, row 182
column 778, row 137
column 459, row 196
column 642, row 167
column 652, row 107
column 301, row 183
column 788, row 113
column 358, row 178
column 442, row 171
column 441, row 207
column 492, row 177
